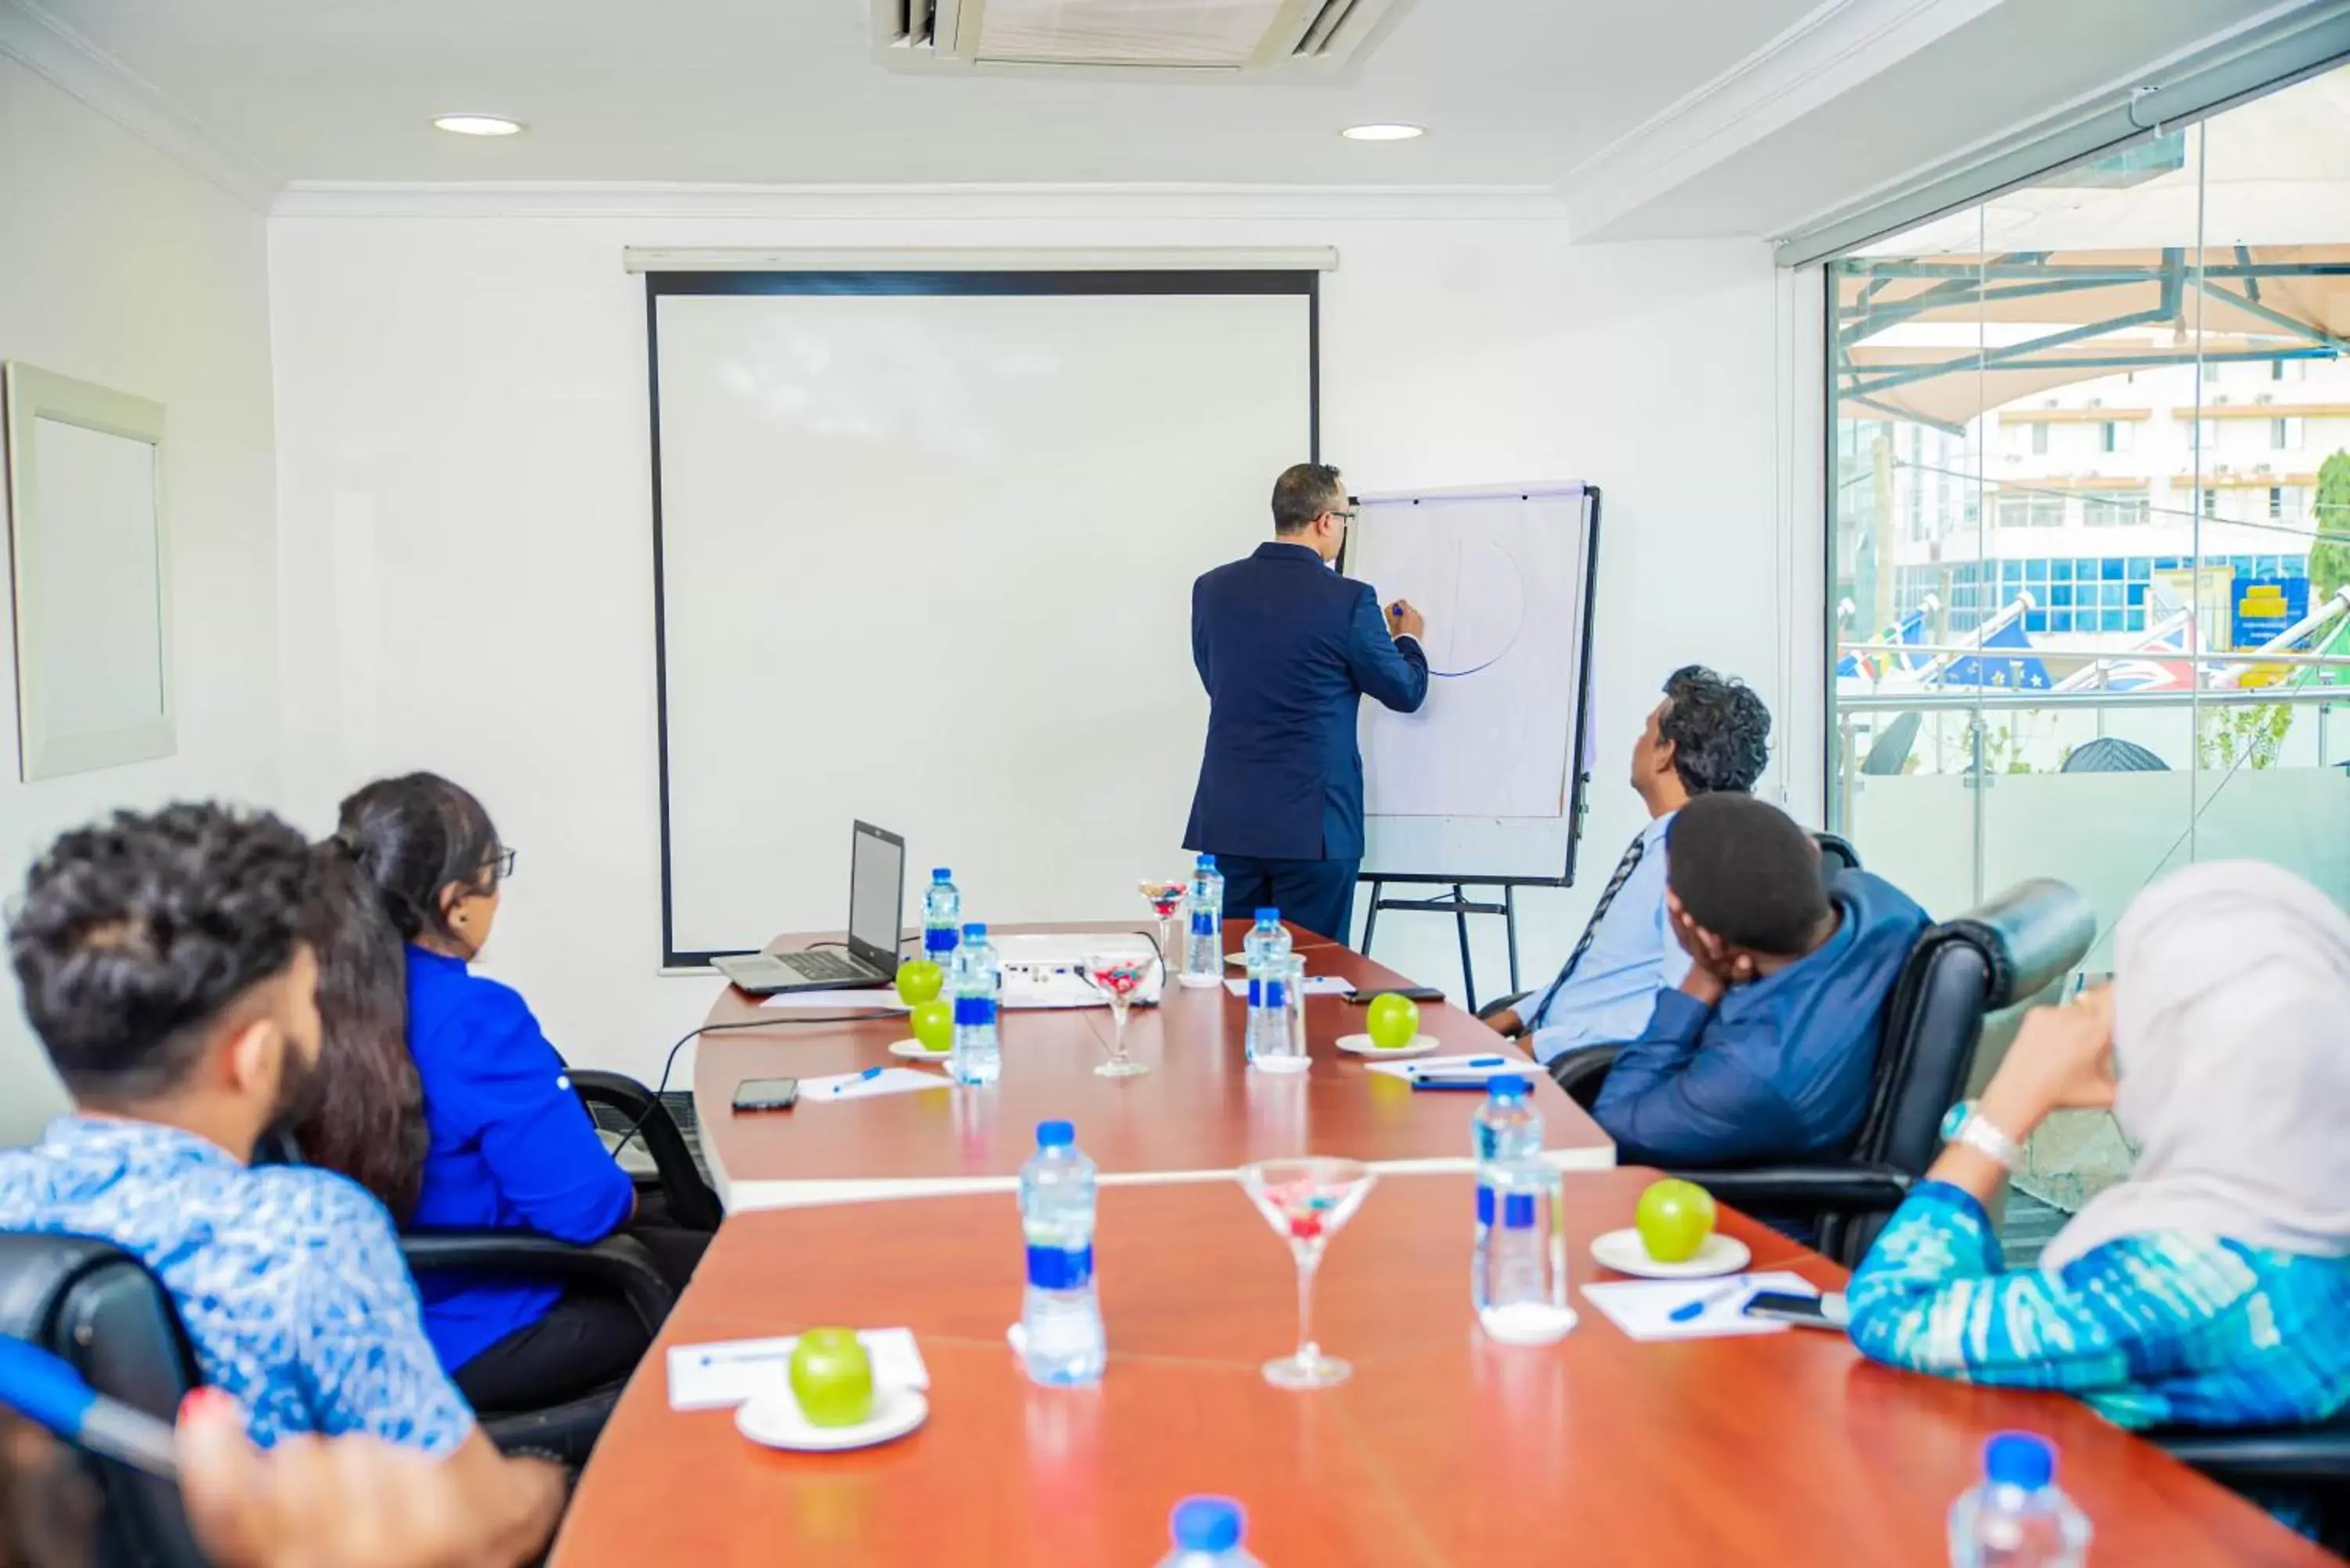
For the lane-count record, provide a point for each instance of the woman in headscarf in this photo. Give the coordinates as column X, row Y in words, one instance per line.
column 2213, row 1288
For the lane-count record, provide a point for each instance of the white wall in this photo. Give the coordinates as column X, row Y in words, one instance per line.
column 465, row 552
column 120, row 267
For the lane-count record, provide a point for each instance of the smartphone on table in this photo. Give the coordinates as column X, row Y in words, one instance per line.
column 1830, row 1311
column 755, row 1095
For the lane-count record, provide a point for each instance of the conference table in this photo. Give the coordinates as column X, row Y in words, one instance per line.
column 1200, row 1111
column 1443, row 1448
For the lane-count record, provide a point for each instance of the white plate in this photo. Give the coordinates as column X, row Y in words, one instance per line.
column 1622, row 1251
column 1236, row 958
column 1360, row 1044
column 772, row 1419
column 1283, row 1066
column 914, row 1051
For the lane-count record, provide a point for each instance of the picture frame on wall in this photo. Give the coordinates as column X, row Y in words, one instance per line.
column 90, row 575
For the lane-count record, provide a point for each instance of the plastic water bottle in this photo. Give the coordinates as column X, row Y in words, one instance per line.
column 1262, row 951
column 1207, row 1532
column 1203, row 952
column 942, row 918
column 2017, row 1518
column 976, row 981
column 1060, row 1320
column 1506, row 1267
column 1275, row 1040
column 1267, row 940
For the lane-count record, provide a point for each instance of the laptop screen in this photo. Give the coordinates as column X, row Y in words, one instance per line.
column 877, row 891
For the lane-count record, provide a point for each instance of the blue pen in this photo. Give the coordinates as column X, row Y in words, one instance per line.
column 861, row 1077
column 1457, row 1066
column 1690, row 1311
column 46, row 1390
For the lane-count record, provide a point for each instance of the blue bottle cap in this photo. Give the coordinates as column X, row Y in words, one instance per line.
column 941, row 875
column 1507, row 1085
column 1262, row 916
column 2022, row 1459
column 1206, row 1524
column 1205, row 863
column 975, row 933
column 1055, row 1134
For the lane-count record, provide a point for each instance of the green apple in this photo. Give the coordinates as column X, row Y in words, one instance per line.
column 920, row 981
column 1393, row 1022
column 933, row 1023
column 832, row 1377
column 1674, row 1219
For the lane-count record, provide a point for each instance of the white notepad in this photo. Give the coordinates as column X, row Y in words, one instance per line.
column 1643, row 1308
column 857, row 1086
column 715, row 1377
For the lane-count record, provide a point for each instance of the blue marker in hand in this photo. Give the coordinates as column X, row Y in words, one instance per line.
column 44, row 1389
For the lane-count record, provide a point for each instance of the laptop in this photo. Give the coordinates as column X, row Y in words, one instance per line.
column 876, row 895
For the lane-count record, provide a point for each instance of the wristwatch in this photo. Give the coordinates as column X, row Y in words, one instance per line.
column 1966, row 1124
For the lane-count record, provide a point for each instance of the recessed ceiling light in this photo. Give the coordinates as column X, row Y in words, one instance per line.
column 1383, row 132
column 478, row 124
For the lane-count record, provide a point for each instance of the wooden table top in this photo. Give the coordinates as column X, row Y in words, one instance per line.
column 1199, row 1110
column 1444, row 1448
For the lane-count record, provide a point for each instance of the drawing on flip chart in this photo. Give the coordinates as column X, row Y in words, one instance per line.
column 1499, row 580
column 1481, row 616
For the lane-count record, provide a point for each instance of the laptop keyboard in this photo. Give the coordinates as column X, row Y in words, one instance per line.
column 819, row 964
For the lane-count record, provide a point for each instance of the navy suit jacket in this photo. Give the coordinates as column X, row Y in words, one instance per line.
column 1287, row 649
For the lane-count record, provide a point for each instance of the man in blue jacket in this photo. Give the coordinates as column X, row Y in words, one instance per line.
column 1766, row 1049
column 1287, row 649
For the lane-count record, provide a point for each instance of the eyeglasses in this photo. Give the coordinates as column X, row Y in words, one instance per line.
column 502, row 862
column 1348, row 515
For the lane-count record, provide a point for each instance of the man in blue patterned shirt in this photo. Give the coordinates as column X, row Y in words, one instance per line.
column 165, row 966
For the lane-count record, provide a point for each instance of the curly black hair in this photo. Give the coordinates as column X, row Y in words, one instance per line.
column 1720, row 731
column 136, row 933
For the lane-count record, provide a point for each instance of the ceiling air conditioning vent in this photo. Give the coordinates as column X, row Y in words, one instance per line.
column 1271, row 40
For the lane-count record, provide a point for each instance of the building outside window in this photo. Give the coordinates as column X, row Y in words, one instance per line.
column 1959, row 777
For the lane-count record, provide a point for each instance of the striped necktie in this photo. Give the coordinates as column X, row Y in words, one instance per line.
column 1624, row 870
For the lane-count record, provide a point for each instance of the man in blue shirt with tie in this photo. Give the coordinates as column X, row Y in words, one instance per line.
column 1287, row 649
column 1709, row 736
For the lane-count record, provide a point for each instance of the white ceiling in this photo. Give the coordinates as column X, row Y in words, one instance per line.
column 783, row 91
column 1646, row 118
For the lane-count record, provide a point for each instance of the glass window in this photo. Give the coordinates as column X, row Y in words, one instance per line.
column 2114, row 509
column 2164, row 290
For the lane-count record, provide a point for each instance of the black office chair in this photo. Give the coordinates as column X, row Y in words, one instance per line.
column 617, row 1263
column 1836, row 856
column 619, row 1103
column 2306, row 1463
column 101, row 1310
column 1962, row 970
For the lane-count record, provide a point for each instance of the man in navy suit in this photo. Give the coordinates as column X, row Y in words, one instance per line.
column 1287, row 649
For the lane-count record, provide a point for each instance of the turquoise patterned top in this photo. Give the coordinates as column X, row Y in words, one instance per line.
column 2155, row 1330
column 288, row 1280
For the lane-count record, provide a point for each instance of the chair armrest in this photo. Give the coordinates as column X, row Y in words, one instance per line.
column 1583, row 1072
column 1807, row 1188
column 1500, row 1005
column 618, row 1263
column 2270, row 1455
column 692, row 1204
